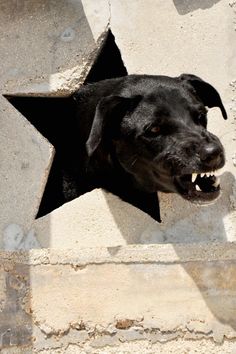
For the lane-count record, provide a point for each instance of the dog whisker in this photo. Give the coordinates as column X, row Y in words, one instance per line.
column 134, row 162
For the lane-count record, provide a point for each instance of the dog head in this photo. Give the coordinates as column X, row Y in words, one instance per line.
column 156, row 127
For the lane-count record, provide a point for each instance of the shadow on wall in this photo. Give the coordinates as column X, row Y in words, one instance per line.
column 214, row 279
column 185, row 6
column 184, row 223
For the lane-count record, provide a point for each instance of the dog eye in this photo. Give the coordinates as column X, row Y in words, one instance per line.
column 153, row 131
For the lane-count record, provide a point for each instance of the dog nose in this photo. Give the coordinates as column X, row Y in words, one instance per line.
column 212, row 155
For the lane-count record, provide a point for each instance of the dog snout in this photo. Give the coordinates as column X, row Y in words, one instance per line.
column 212, row 156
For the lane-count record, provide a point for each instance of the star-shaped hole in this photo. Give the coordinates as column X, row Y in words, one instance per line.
column 54, row 118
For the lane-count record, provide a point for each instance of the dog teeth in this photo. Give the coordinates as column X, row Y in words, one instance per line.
column 218, row 172
column 217, row 182
column 198, row 188
column 207, row 174
column 194, row 177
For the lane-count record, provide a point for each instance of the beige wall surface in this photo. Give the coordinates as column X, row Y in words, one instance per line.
column 97, row 275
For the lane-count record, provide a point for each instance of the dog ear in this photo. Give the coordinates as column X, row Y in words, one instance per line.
column 207, row 93
column 108, row 115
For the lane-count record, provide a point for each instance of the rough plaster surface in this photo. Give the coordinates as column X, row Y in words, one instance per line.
column 179, row 346
column 55, row 56
column 25, row 161
column 157, row 294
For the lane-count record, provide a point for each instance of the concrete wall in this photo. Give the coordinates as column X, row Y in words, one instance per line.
column 62, row 52
column 177, row 295
column 95, row 299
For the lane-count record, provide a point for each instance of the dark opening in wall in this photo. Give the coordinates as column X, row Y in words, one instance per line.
column 54, row 118
column 108, row 64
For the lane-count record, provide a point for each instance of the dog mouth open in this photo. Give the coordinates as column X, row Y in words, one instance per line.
column 198, row 187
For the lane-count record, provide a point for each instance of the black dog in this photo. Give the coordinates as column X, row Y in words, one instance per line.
column 139, row 134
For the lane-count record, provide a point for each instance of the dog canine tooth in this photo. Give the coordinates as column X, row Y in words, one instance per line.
column 198, row 188
column 194, row 177
column 217, row 182
column 218, row 172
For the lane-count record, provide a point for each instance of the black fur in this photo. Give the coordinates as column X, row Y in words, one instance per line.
column 137, row 134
